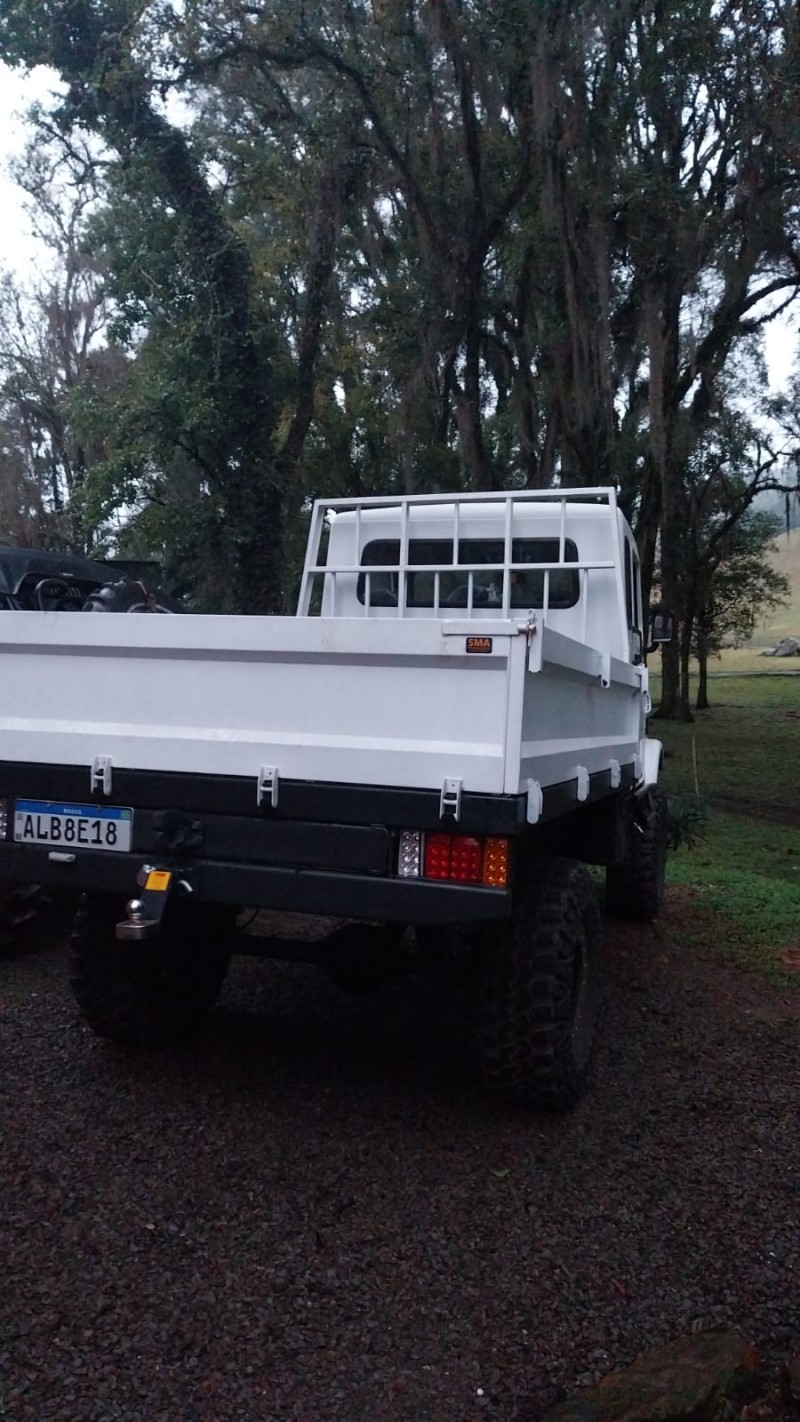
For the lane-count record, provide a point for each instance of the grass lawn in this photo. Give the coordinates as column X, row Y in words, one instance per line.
column 747, row 746
column 743, row 880
column 783, row 621
column 744, row 885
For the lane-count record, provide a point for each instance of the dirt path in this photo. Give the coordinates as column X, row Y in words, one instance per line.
column 313, row 1214
column 756, row 809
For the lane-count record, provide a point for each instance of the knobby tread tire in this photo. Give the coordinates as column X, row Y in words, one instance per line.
column 20, row 906
column 129, row 595
column 152, row 993
column 539, row 988
column 635, row 888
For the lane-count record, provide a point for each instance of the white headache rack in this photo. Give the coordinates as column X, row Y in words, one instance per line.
column 448, row 528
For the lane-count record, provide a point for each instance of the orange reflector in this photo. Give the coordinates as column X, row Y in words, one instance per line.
column 495, row 863
column 158, row 880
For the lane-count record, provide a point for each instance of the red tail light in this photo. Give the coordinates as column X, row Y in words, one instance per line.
column 456, row 857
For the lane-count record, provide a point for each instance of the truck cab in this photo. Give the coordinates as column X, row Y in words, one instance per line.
column 572, row 560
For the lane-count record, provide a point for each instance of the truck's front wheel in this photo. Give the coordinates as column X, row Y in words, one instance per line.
column 154, row 992
column 635, row 888
column 539, row 987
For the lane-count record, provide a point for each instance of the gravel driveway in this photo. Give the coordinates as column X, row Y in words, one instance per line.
column 312, row 1214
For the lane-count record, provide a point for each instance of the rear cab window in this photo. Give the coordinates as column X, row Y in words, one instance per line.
column 479, row 556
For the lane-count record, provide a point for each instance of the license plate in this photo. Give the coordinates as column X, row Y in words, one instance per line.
column 73, row 826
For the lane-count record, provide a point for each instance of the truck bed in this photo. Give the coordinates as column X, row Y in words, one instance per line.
column 496, row 705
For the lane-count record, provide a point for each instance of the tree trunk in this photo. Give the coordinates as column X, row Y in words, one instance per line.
column 684, row 708
column 663, row 318
column 701, row 704
column 646, row 531
column 669, row 706
column 477, row 464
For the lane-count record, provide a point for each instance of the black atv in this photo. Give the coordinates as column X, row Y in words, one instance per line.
column 35, row 581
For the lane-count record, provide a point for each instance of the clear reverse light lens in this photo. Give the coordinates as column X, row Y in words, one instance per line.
column 409, row 859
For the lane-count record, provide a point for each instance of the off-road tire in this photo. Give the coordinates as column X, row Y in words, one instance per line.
column 538, row 990
column 154, row 992
column 131, row 596
column 20, row 907
column 635, row 888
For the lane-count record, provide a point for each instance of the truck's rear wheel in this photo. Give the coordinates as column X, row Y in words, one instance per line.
column 19, row 911
column 154, row 992
column 635, row 888
column 539, row 987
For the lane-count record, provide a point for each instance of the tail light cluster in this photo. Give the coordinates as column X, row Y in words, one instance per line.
column 456, row 858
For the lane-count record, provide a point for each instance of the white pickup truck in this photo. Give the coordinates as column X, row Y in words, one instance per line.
column 447, row 733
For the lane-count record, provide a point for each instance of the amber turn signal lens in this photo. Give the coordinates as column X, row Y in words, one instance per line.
column 495, row 863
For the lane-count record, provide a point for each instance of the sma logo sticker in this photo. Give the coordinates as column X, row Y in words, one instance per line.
column 479, row 644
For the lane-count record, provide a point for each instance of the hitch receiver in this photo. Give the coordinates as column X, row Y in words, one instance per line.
column 146, row 912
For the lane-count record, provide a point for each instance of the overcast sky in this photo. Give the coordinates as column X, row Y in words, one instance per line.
column 19, row 250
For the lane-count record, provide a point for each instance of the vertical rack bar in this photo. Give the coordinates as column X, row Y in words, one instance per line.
column 357, row 559
column 508, row 549
column 403, row 569
column 311, row 561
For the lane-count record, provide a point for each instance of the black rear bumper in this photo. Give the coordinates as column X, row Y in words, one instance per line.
column 325, row 849
column 314, row 891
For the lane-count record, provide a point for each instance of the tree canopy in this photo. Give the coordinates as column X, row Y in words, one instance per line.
column 360, row 246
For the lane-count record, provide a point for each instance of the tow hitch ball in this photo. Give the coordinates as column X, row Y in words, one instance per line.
column 144, row 914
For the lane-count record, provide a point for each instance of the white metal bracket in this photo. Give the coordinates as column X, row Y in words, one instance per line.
column 450, row 802
column 100, row 774
column 582, row 782
column 268, row 783
column 535, row 802
column 615, row 771
column 605, row 669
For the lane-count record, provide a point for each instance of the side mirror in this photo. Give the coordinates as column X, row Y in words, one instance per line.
column 662, row 626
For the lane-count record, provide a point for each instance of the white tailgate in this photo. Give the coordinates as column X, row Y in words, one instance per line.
column 358, row 701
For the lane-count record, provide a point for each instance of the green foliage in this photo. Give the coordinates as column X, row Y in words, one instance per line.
column 453, row 247
column 687, row 821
